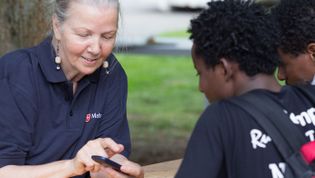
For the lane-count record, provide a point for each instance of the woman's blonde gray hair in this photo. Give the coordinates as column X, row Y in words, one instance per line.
column 61, row 6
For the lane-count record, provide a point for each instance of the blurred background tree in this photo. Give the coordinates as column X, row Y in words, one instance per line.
column 23, row 23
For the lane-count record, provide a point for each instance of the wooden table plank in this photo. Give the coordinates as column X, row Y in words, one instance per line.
column 166, row 169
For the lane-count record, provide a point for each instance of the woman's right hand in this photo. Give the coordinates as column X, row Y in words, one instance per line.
column 128, row 169
column 83, row 162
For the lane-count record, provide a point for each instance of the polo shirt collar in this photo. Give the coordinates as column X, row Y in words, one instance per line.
column 46, row 55
column 94, row 77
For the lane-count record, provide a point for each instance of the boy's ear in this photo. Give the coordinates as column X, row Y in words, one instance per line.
column 311, row 50
column 227, row 67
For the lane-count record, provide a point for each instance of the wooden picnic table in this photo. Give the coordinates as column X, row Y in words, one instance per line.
column 166, row 169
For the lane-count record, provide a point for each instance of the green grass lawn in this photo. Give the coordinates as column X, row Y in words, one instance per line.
column 176, row 34
column 163, row 104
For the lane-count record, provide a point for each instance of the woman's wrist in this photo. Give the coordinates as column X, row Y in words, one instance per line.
column 70, row 168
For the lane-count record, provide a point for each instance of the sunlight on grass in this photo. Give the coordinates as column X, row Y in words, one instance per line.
column 176, row 34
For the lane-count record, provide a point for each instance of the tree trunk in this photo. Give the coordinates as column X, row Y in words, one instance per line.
column 23, row 23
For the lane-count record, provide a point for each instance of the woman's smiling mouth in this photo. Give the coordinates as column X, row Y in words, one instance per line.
column 89, row 59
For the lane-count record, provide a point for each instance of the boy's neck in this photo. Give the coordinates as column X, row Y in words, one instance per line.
column 260, row 81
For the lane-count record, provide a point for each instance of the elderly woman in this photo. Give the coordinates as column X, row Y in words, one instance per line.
column 65, row 100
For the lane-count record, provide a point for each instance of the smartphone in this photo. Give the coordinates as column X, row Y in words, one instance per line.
column 106, row 162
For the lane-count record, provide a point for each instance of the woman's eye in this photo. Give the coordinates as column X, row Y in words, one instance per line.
column 83, row 35
column 108, row 37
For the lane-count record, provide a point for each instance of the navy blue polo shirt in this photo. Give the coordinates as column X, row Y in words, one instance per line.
column 42, row 121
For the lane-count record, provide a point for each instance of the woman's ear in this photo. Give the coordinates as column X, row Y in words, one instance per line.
column 227, row 67
column 56, row 27
column 311, row 50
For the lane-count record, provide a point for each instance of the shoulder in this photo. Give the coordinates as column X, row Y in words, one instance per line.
column 15, row 62
column 16, row 56
column 113, row 80
column 114, row 65
column 115, row 71
column 220, row 114
column 223, row 108
column 226, row 113
column 298, row 94
column 26, row 58
column 21, row 70
column 17, row 73
column 302, row 89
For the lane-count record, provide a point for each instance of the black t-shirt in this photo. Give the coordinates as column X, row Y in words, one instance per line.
column 228, row 143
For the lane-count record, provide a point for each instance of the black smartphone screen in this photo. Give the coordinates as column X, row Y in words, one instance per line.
column 106, row 162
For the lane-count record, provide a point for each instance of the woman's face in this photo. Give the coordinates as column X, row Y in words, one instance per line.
column 86, row 37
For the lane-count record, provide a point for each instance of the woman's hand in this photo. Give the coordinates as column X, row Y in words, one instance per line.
column 129, row 169
column 83, row 162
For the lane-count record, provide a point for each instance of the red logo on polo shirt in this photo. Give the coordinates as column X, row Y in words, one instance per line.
column 91, row 116
column 88, row 118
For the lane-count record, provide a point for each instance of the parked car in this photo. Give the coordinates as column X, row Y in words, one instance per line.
column 165, row 5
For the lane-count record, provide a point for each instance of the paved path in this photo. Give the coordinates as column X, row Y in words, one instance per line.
column 141, row 21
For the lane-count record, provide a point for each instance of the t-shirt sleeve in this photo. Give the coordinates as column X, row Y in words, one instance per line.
column 115, row 125
column 16, row 128
column 204, row 153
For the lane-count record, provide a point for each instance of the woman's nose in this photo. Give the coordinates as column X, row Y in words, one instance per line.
column 95, row 47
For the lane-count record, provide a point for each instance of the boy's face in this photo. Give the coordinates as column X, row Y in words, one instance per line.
column 296, row 69
column 212, row 80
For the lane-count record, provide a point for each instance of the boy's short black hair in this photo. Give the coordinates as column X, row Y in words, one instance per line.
column 296, row 20
column 240, row 31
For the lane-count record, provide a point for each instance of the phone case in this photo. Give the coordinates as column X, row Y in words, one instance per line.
column 106, row 162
